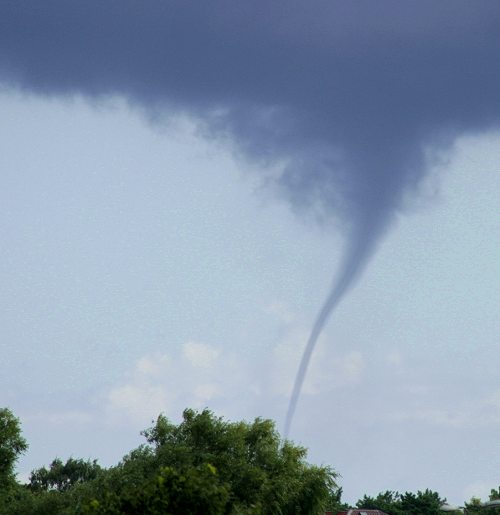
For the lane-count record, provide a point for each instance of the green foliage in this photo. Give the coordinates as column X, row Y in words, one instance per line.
column 387, row 501
column 195, row 490
column 62, row 476
column 50, row 491
column 476, row 506
column 334, row 503
column 22, row 501
column 202, row 465
column 394, row 503
column 495, row 494
column 421, row 503
column 12, row 445
column 263, row 473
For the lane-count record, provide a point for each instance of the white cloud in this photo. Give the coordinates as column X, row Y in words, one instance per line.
column 352, row 366
column 480, row 489
column 280, row 311
column 200, row 354
column 494, row 401
column 463, row 414
column 327, row 370
column 439, row 417
column 395, row 359
column 62, row 417
column 153, row 365
column 138, row 401
column 206, row 392
column 200, row 375
column 418, row 389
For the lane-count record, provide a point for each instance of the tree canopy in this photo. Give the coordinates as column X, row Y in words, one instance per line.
column 395, row 503
column 205, row 464
column 12, row 445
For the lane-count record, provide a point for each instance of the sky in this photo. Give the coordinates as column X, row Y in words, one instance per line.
column 180, row 184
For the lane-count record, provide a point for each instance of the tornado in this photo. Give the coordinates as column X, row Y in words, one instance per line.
column 345, row 100
column 360, row 247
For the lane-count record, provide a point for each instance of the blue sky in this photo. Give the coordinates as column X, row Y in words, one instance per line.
column 168, row 242
column 145, row 270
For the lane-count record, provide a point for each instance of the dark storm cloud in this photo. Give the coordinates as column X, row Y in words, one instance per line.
column 346, row 95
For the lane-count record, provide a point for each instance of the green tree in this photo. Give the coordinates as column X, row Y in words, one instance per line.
column 62, row 476
column 168, row 492
column 495, row 494
column 388, row 501
column 261, row 471
column 12, row 445
column 334, row 503
column 202, row 465
column 422, row 503
column 253, row 471
column 394, row 503
column 476, row 506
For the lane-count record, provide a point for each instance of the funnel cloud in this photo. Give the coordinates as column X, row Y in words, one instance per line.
column 349, row 98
